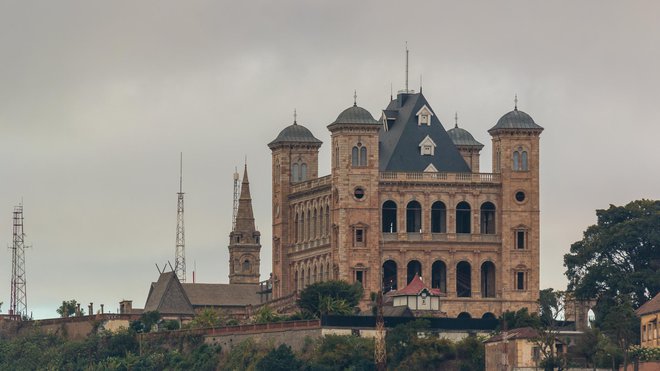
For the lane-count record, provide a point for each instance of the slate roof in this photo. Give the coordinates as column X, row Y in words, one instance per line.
column 462, row 137
column 295, row 134
column 168, row 297
column 222, row 294
column 651, row 306
column 415, row 287
column 399, row 145
column 516, row 120
column 354, row 115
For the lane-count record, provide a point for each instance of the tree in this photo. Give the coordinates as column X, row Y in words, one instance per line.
column 621, row 325
column 266, row 314
column 518, row 319
column 279, row 359
column 208, row 318
column 337, row 352
column 68, row 308
column 312, row 296
column 618, row 255
column 146, row 322
column 591, row 345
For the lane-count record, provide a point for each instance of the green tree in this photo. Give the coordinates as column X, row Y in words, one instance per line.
column 621, row 325
column 618, row 255
column 472, row 353
column 266, row 314
column 279, row 359
column 312, row 297
column 146, row 322
column 336, row 352
column 68, row 308
column 208, row 318
column 591, row 346
column 518, row 319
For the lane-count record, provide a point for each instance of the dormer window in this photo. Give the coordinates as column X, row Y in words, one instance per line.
column 427, row 147
column 424, row 116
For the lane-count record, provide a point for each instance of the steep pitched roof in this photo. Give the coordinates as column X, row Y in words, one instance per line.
column 650, row 306
column 516, row 333
column 168, row 297
column 220, row 294
column 415, row 287
column 244, row 214
column 399, row 145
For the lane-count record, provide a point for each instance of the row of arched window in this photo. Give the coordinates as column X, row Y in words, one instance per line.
column 307, row 273
column 520, row 160
column 359, row 155
column 439, row 277
column 438, row 217
column 311, row 222
column 298, row 171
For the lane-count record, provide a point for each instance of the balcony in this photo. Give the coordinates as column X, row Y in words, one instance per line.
column 311, row 184
column 441, row 177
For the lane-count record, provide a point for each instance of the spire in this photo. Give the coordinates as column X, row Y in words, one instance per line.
column 295, row 121
column 244, row 215
column 354, row 98
column 515, row 102
column 456, row 119
column 406, row 66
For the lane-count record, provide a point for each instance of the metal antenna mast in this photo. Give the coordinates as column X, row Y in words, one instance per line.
column 18, row 305
column 406, row 67
column 237, row 188
column 180, row 254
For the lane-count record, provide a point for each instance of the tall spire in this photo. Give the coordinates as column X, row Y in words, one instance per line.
column 244, row 215
column 406, row 67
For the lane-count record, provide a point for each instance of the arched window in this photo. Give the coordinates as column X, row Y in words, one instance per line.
column 438, row 217
column 463, row 217
column 309, row 276
column 301, row 227
column 516, row 161
column 414, row 267
column 487, row 218
column 327, row 271
column 313, row 225
column 389, row 275
column 488, row 280
column 303, row 172
column 359, row 155
column 308, row 226
column 489, row 315
column 246, row 266
column 439, row 276
column 464, row 315
column 389, row 217
column 321, row 278
column 463, row 280
column 524, row 160
column 313, row 274
column 294, row 173
column 296, row 281
column 296, row 228
column 413, row 217
column 327, row 219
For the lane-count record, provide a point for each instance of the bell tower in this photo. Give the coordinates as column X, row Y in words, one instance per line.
column 244, row 240
column 515, row 140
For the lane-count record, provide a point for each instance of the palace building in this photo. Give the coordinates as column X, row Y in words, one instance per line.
column 406, row 197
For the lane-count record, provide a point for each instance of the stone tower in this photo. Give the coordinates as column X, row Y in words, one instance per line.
column 244, row 241
column 294, row 159
column 355, row 202
column 515, row 140
column 467, row 146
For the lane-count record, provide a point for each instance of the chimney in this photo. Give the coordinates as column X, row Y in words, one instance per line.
column 126, row 307
column 77, row 310
column 91, row 309
column 101, row 308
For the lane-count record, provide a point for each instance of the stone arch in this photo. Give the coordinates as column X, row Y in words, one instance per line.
column 413, row 217
column 488, row 279
column 463, row 217
column 464, row 315
column 463, row 279
column 390, row 275
column 487, row 218
column 388, row 216
column 438, row 217
column 489, row 316
column 413, row 267
column 439, row 276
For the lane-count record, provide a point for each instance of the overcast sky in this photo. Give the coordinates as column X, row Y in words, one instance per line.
column 97, row 99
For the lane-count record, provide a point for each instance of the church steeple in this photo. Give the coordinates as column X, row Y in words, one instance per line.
column 244, row 240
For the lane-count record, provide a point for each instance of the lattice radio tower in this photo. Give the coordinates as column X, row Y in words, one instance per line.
column 18, row 305
column 237, row 189
column 180, row 254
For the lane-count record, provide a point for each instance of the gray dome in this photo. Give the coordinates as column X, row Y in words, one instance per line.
column 462, row 137
column 355, row 115
column 295, row 134
column 516, row 120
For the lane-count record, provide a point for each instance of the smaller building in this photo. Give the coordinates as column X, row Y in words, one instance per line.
column 516, row 350
column 649, row 315
column 417, row 296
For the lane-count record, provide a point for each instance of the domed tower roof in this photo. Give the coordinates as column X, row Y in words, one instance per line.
column 462, row 137
column 354, row 115
column 515, row 120
column 294, row 134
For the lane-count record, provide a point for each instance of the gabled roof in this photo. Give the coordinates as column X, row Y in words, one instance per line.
column 222, row 294
column 167, row 296
column 516, row 333
column 650, row 306
column 399, row 145
column 415, row 287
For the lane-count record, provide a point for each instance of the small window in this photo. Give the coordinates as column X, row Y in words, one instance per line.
column 520, row 196
column 524, row 161
column 246, row 266
column 427, row 150
column 424, row 119
column 359, row 155
column 516, row 161
column 358, row 193
column 359, row 277
column 359, row 236
column 520, row 281
column 520, row 239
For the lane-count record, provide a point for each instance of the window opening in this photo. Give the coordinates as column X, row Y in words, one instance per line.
column 463, row 218
column 414, row 217
column 389, row 217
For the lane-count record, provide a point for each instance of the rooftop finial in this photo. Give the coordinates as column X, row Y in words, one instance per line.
column 420, row 83
column 406, row 67
column 354, row 98
column 391, row 96
column 456, row 119
column 515, row 102
column 295, row 117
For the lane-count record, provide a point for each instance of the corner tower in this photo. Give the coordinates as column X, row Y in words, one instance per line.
column 355, row 239
column 295, row 154
column 244, row 240
column 466, row 145
column 515, row 140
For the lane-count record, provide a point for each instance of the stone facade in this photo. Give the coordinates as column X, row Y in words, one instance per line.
column 244, row 241
column 475, row 236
